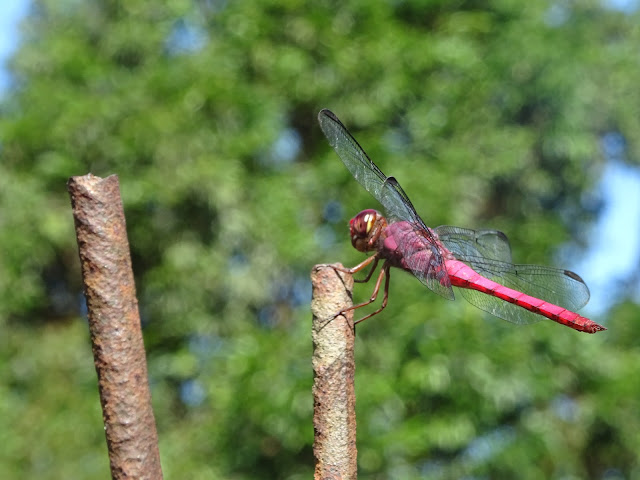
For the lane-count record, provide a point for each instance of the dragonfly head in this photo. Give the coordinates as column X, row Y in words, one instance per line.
column 365, row 229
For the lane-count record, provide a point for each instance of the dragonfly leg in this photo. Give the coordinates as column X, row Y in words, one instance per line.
column 358, row 267
column 387, row 276
column 384, row 273
column 374, row 258
column 373, row 269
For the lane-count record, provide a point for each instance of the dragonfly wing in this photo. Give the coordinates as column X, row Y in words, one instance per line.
column 465, row 243
column 553, row 285
column 384, row 189
column 351, row 153
column 489, row 254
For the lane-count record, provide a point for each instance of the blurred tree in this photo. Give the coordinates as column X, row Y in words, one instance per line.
column 206, row 111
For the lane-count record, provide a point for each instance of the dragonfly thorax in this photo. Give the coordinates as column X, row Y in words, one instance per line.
column 366, row 228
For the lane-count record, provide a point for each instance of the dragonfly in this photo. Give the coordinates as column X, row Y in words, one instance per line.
column 477, row 262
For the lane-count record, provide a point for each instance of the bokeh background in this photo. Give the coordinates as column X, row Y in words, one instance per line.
column 520, row 116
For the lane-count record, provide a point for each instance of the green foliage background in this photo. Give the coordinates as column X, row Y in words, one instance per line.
column 489, row 114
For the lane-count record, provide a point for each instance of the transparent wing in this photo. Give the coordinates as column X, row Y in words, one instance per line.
column 396, row 204
column 559, row 287
column 488, row 253
column 464, row 242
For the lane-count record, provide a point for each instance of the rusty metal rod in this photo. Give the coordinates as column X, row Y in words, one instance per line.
column 334, row 399
column 114, row 325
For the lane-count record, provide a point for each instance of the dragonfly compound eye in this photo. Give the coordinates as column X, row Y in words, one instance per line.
column 362, row 224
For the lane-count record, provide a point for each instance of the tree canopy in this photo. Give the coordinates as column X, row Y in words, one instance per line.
column 488, row 114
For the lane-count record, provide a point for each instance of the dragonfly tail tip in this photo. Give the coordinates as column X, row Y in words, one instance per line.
column 595, row 328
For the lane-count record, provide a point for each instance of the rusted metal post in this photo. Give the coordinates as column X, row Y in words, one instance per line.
column 114, row 325
column 334, row 399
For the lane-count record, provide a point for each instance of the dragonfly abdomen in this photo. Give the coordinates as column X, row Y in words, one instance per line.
column 463, row 276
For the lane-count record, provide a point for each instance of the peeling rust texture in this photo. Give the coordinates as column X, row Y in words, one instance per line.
column 334, row 399
column 114, row 325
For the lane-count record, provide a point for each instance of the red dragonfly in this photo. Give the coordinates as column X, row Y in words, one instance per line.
column 476, row 261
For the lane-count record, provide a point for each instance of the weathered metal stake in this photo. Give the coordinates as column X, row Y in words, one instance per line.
column 114, row 325
column 334, row 399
